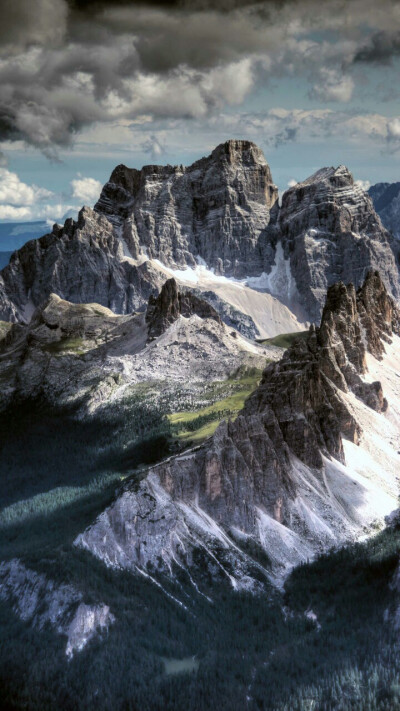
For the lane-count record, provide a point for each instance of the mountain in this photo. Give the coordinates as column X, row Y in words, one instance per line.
column 218, row 209
column 215, row 225
column 297, row 472
column 191, row 516
column 331, row 232
column 386, row 199
column 86, row 356
column 4, row 258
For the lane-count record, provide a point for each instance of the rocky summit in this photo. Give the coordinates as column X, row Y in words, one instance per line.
column 218, row 209
column 330, row 231
column 216, row 219
column 166, row 308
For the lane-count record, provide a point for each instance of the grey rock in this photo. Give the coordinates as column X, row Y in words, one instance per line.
column 171, row 303
column 84, row 354
column 218, row 209
column 222, row 211
column 330, row 232
column 241, row 322
column 82, row 262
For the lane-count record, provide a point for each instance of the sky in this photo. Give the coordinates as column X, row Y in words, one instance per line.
column 88, row 84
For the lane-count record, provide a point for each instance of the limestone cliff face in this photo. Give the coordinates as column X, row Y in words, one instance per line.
column 218, row 209
column 40, row 601
column 221, row 211
column 81, row 262
column 330, row 231
column 264, row 476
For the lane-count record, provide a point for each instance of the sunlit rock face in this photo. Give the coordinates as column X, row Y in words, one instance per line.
column 330, row 231
column 269, row 477
column 219, row 209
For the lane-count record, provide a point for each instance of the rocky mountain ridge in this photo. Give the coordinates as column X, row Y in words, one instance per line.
column 275, row 478
column 221, row 213
column 88, row 355
column 330, row 232
column 218, row 209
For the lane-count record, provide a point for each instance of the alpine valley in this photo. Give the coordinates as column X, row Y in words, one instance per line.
column 200, row 446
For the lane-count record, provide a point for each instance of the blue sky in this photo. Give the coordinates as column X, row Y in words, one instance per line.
column 85, row 86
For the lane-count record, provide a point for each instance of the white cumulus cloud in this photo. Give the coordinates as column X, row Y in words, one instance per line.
column 86, row 190
column 14, row 192
column 363, row 184
column 332, row 86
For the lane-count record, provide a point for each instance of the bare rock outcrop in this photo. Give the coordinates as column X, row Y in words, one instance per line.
column 330, row 232
column 218, row 209
column 171, row 303
column 81, row 262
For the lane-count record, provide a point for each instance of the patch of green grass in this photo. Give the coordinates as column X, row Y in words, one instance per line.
column 78, row 346
column 284, row 340
column 197, row 425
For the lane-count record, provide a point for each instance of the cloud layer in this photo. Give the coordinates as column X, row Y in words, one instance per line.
column 21, row 202
column 66, row 66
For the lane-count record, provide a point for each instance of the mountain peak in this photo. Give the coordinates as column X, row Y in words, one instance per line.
column 170, row 304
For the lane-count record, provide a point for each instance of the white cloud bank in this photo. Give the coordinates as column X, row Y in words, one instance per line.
column 86, row 190
column 21, row 202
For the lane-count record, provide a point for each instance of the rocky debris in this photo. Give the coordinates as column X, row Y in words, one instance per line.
column 218, row 209
column 82, row 262
column 241, row 322
column 171, row 303
column 330, row 232
column 40, row 601
column 386, row 199
column 262, row 477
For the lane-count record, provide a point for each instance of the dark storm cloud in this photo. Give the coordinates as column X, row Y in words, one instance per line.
column 25, row 22
column 67, row 64
column 381, row 48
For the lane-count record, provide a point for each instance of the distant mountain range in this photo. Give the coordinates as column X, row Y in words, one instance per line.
column 386, row 199
column 14, row 235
